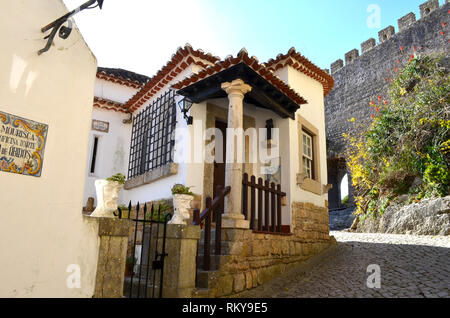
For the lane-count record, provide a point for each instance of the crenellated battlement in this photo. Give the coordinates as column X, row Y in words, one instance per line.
column 384, row 35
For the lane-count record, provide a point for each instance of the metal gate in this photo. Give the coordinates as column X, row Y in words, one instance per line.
column 144, row 276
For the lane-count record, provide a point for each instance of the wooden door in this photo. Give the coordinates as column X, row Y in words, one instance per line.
column 219, row 165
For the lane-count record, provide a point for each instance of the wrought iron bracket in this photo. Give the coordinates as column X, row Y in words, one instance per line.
column 64, row 32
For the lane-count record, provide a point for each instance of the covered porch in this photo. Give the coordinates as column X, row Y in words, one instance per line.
column 239, row 94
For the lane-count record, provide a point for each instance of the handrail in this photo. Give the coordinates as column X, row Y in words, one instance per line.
column 206, row 215
column 200, row 218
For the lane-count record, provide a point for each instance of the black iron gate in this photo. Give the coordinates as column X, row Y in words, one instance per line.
column 144, row 275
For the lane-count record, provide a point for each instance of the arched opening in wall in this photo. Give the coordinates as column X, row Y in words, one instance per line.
column 344, row 195
column 427, row 10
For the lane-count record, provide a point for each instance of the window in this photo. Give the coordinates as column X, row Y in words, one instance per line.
column 151, row 139
column 308, row 166
column 94, row 155
column 309, row 174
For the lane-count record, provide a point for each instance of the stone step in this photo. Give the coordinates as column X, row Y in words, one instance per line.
column 207, row 280
column 225, row 248
column 138, row 290
column 201, row 293
column 202, row 235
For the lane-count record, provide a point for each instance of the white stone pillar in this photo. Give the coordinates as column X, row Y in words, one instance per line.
column 233, row 217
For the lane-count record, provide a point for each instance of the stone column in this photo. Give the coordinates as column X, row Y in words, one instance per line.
column 233, row 217
column 111, row 257
column 180, row 264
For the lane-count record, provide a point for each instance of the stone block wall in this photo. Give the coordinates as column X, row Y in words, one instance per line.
column 112, row 251
column 255, row 258
column 310, row 222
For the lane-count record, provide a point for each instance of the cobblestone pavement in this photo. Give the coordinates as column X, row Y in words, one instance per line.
column 411, row 266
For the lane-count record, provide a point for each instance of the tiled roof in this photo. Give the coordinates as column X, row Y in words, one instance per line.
column 302, row 64
column 253, row 63
column 121, row 76
column 109, row 105
column 177, row 64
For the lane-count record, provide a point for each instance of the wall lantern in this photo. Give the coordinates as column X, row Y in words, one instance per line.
column 64, row 31
column 185, row 104
column 269, row 142
column 269, row 127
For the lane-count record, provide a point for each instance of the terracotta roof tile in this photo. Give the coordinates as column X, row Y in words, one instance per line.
column 302, row 64
column 252, row 62
column 171, row 69
column 109, row 105
column 122, row 77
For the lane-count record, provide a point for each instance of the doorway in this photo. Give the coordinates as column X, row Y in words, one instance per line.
column 220, row 161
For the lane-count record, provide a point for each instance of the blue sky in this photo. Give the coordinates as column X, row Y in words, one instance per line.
column 141, row 35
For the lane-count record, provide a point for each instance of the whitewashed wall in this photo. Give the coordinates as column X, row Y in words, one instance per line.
column 113, row 147
column 113, row 91
column 314, row 112
column 42, row 230
column 113, row 150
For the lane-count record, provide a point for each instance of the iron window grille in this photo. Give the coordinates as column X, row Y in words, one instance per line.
column 152, row 141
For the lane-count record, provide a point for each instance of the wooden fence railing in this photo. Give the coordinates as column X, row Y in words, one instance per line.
column 213, row 207
column 265, row 205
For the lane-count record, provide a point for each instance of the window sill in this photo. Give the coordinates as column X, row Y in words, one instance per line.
column 152, row 176
column 309, row 185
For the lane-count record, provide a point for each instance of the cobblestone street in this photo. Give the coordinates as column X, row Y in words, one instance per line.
column 411, row 266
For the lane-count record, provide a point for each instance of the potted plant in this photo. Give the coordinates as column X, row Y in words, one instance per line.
column 107, row 194
column 182, row 198
column 131, row 261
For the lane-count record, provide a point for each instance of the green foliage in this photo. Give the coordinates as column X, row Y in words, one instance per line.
column 345, row 200
column 163, row 207
column 131, row 260
column 118, row 177
column 408, row 139
column 181, row 189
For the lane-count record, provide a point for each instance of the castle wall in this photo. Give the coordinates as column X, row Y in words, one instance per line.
column 364, row 78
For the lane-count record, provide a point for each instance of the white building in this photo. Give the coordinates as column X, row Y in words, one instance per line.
column 287, row 92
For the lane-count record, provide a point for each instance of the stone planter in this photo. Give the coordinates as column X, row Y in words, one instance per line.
column 107, row 196
column 181, row 207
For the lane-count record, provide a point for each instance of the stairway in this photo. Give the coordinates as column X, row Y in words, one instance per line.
column 207, row 280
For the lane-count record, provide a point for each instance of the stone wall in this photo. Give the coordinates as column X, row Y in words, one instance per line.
column 366, row 77
column 254, row 258
column 112, row 251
